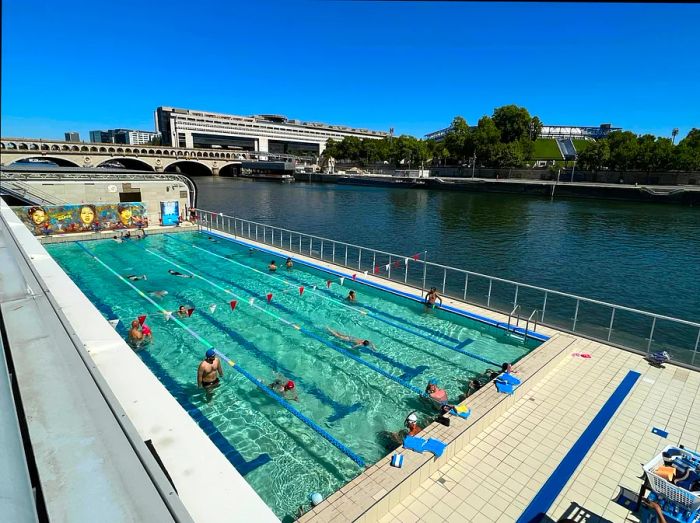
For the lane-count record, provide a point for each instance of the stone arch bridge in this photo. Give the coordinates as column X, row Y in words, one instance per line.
column 197, row 162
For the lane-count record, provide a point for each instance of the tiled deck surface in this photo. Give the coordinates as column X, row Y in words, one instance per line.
column 496, row 476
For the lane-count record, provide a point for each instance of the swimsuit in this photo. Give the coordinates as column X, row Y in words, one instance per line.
column 206, row 384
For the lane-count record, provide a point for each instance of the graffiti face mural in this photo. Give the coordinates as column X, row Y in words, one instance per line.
column 61, row 219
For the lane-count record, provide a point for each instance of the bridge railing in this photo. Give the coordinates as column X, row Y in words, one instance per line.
column 633, row 329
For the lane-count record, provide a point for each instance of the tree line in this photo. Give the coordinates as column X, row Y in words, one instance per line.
column 506, row 139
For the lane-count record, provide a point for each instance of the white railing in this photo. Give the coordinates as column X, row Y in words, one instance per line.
column 634, row 329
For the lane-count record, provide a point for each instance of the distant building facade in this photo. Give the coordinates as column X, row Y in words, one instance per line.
column 72, row 136
column 125, row 136
column 267, row 132
column 552, row 131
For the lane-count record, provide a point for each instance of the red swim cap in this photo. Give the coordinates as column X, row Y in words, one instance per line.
column 289, row 385
column 146, row 330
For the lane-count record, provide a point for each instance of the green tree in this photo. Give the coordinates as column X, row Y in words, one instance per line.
column 457, row 139
column 623, row 150
column 686, row 155
column 486, row 138
column 535, row 128
column 594, row 156
column 513, row 122
column 508, row 155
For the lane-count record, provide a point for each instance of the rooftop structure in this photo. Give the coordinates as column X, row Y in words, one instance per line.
column 124, row 136
column 263, row 132
column 551, row 131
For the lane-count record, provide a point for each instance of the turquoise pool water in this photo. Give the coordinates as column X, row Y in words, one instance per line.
column 347, row 393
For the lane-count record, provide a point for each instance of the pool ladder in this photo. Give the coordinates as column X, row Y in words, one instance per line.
column 532, row 319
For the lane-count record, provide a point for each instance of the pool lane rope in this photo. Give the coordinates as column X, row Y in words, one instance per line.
column 307, row 421
column 301, row 329
column 454, row 348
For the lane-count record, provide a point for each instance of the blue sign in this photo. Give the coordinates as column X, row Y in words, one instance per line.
column 170, row 212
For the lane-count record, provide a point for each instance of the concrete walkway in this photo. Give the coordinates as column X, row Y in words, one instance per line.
column 495, row 477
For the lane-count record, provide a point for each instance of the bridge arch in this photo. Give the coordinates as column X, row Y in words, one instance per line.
column 33, row 147
column 189, row 168
column 128, row 163
column 230, row 169
column 61, row 162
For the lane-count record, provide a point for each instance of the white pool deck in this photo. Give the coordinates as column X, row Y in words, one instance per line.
column 497, row 459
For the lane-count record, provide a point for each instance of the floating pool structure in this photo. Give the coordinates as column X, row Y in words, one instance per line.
column 268, row 326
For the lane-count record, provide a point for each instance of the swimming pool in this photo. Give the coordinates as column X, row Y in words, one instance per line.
column 353, row 396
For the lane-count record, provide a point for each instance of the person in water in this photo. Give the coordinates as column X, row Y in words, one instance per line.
column 289, row 263
column 436, row 393
column 432, row 297
column 508, row 368
column 135, row 334
column 209, row 371
column 357, row 342
column 284, row 388
column 411, row 428
column 351, row 297
column 158, row 294
column 136, row 277
column 182, row 311
column 272, row 267
column 175, row 273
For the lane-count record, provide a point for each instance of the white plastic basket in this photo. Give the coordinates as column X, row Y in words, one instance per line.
column 668, row 490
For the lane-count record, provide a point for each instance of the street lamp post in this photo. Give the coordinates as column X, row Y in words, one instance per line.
column 473, row 164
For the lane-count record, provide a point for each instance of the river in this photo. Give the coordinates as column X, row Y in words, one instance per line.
column 641, row 255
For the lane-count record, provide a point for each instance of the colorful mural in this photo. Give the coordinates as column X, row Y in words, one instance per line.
column 65, row 219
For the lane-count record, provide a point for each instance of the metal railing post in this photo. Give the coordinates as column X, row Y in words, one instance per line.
column 290, row 240
column 544, row 306
column 488, row 298
column 466, row 283
column 388, row 273
column 374, row 260
column 405, row 273
column 651, row 334
column 612, row 319
column 300, row 244
column 321, row 249
column 576, row 315
column 695, row 350
column 515, row 299
column 359, row 260
column 311, row 247
column 249, row 230
column 346, row 255
column 444, row 279
column 425, row 269
column 333, row 252
column 256, row 232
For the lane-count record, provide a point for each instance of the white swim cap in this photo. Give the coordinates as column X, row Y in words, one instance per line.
column 316, row 498
column 412, row 418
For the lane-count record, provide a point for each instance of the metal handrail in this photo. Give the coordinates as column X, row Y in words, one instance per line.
column 536, row 314
column 220, row 220
column 517, row 318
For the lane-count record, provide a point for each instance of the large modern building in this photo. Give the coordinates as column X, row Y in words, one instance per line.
column 72, row 136
column 268, row 133
column 552, row 131
column 126, row 136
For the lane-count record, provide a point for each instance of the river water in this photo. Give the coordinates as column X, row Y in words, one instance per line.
column 641, row 255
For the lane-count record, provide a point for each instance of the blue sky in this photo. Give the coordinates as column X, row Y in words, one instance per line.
column 79, row 65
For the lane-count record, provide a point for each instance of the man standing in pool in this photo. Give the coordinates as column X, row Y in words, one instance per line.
column 432, row 297
column 209, row 371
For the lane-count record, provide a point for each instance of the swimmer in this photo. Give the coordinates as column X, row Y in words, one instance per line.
column 135, row 334
column 209, row 371
column 158, row 294
column 491, row 374
column 432, row 297
column 175, row 273
column 284, row 388
column 474, row 385
column 351, row 297
column 411, row 428
column 126, row 236
column 435, row 392
column 289, row 263
column 272, row 267
column 136, row 277
column 118, row 240
column 182, row 311
column 212, row 239
column 357, row 342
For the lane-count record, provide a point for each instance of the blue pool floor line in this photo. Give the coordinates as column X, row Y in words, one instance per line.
column 303, row 330
column 394, row 324
column 261, row 386
column 478, row 317
column 225, row 447
column 340, row 410
column 551, row 489
column 371, row 312
column 409, row 372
